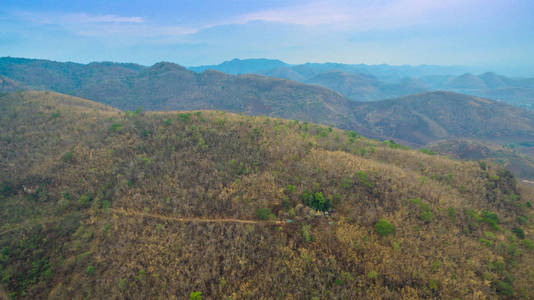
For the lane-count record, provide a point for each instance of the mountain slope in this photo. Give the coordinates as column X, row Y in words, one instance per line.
column 243, row 66
column 67, row 77
column 167, row 86
column 466, row 82
column 8, row 86
column 416, row 119
column 389, row 81
column 512, row 159
column 97, row 203
column 384, row 72
column 363, row 87
column 427, row 117
column 519, row 92
column 352, row 86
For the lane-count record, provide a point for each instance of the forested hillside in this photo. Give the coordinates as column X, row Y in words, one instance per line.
column 375, row 82
column 99, row 203
column 7, row 85
column 428, row 117
column 511, row 156
column 416, row 120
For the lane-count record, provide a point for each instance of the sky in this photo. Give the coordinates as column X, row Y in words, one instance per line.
column 493, row 34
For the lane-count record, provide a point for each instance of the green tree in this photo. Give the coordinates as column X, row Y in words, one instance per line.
column 195, row 296
column 384, row 228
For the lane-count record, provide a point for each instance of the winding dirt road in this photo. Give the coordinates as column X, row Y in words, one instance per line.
column 131, row 213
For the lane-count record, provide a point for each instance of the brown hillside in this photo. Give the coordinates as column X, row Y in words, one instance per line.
column 428, row 117
column 97, row 203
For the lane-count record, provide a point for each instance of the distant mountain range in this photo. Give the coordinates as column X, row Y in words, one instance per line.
column 356, row 82
column 374, row 82
column 415, row 120
column 167, row 86
column 308, row 70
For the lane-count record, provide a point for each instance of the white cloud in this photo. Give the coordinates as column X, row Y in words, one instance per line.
column 363, row 14
column 317, row 13
column 76, row 18
column 133, row 30
column 85, row 18
column 335, row 15
column 107, row 26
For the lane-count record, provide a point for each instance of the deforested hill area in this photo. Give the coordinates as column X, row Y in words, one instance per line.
column 428, row 117
column 100, row 203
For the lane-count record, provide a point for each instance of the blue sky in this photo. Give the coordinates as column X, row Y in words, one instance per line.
column 497, row 34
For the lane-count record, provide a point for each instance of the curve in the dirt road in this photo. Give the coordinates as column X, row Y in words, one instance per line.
column 197, row 220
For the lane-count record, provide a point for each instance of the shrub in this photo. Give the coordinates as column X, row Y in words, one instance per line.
column 346, row 183
column 123, row 284
column 115, row 127
column 393, row 145
column 485, row 242
column 63, row 203
column 5, row 189
column 306, row 233
column 263, row 213
column 490, row 235
column 384, row 228
column 364, row 179
column 427, row 216
column 67, row 157
column 452, row 214
column 56, row 114
column 372, row 275
column 528, row 244
column 316, row 200
column 523, row 220
column 504, row 288
column 433, row 284
column 184, row 117
column 352, row 134
column 84, row 201
column 491, row 219
column 90, row 271
column 195, row 296
column 427, row 151
column 322, row 132
column 291, row 188
column 141, row 273
column 138, row 111
column 518, row 232
column 347, row 277
column 425, row 213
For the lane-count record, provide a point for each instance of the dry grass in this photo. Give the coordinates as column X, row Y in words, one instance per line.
column 121, row 216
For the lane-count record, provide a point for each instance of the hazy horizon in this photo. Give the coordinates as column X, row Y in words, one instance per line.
column 475, row 70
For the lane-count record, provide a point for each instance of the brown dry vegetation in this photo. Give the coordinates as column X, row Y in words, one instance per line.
column 102, row 204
